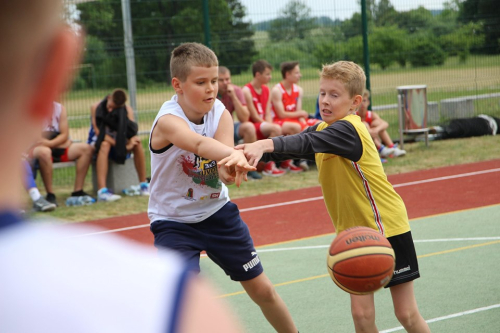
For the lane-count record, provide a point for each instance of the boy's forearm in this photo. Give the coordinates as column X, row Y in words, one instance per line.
column 212, row 149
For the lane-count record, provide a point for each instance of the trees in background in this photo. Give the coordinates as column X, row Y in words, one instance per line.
column 417, row 37
column 158, row 27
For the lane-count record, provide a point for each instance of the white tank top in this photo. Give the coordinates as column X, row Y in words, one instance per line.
column 97, row 284
column 52, row 125
column 185, row 187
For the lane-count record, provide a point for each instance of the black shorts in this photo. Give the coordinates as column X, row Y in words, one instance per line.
column 406, row 269
column 224, row 236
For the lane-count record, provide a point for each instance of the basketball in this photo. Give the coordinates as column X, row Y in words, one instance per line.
column 360, row 260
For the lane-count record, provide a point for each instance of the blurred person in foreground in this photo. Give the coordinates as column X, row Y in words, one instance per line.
column 52, row 280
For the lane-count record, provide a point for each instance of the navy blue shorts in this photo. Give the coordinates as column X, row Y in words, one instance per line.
column 224, row 236
column 406, row 269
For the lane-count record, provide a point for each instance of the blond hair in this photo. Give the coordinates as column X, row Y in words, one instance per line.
column 366, row 93
column 190, row 55
column 350, row 74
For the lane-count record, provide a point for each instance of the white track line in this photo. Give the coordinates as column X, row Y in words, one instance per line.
column 454, row 315
column 314, row 247
column 468, row 174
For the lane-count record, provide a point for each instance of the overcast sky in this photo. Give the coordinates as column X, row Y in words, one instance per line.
column 261, row 10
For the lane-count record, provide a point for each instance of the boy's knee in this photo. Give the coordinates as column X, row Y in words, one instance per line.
column 264, row 293
column 363, row 315
column 275, row 130
column 42, row 153
column 406, row 317
column 105, row 147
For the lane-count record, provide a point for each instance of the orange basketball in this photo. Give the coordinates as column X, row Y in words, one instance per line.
column 360, row 260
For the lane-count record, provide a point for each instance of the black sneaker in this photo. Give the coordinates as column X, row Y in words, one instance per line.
column 42, row 205
column 51, row 197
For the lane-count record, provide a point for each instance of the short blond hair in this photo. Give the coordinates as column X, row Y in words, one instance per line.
column 188, row 55
column 349, row 73
column 366, row 93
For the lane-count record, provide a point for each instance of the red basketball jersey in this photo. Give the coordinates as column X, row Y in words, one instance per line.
column 289, row 100
column 259, row 101
column 368, row 117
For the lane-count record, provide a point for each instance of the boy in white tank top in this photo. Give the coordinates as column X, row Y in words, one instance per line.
column 189, row 202
column 51, row 280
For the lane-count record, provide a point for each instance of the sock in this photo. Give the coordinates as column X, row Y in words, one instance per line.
column 51, row 196
column 34, row 194
column 79, row 193
column 380, row 148
column 144, row 184
column 391, row 146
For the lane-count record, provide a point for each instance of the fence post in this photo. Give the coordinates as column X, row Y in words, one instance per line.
column 366, row 50
column 129, row 55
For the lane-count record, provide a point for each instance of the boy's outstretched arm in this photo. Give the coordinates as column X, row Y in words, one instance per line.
column 174, row 130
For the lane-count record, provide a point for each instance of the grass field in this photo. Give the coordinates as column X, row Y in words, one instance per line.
column 479, row 75
column 419, row 157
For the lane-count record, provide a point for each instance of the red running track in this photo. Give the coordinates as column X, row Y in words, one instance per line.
column 278, row 217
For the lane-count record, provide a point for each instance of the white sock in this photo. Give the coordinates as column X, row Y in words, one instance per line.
column 34, row 193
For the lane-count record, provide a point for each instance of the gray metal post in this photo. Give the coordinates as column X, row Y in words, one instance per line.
column 366, row 49
column 401, row 119
column 129, row 55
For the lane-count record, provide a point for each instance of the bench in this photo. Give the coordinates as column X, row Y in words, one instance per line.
column 120, row 176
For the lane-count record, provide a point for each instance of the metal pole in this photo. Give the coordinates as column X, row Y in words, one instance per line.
column 366, row 50
column 206, row 21
column 129, row 55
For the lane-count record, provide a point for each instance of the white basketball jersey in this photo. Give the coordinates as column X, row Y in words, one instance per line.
column 53, row 281
column 52, row 125
column 185, row 187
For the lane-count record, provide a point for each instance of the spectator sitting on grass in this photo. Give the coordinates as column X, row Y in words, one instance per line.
column 377, row 127
column 113, row 133
column 56, row 146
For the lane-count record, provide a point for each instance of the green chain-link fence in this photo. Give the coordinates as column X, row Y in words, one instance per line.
column 452, row 46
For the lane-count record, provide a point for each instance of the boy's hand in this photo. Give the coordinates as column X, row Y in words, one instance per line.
column 236, row 166
column 253, row 151
column 226, row 176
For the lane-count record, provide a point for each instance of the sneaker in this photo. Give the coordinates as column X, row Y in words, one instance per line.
column 132, row 190
column 398, row 152
column 385, row 151
column 271, row 170
column 144, row 189
column 304, row 165
column 51, row 197
column 42, row 205
column 105, row 195
column 81, row 200
column 289, row 166
column 254, row 175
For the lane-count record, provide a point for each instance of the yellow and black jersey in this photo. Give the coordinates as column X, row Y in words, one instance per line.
column 355, row 187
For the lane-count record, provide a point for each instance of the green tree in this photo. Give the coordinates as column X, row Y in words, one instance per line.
column 159, row 26
column 387, row 45
column 294, row 22
column 382, row 11
column 425, row 52
column 486, row 12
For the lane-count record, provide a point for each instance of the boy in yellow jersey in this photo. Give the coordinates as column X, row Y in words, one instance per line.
column 354, row 185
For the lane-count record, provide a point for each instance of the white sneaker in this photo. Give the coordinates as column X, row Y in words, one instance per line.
column 398, row 152
column 105, row 195
column 386, row 151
